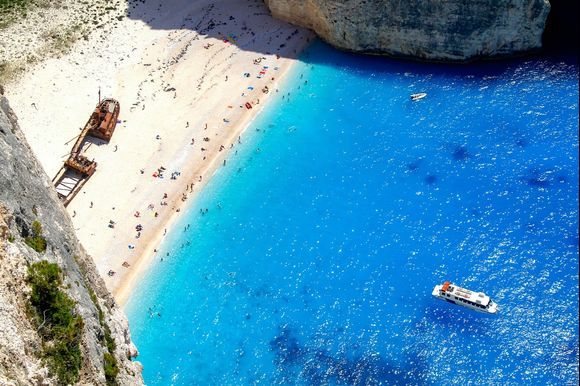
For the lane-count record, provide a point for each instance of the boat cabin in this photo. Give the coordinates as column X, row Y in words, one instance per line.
column 104, row 119
column 457, row 294
column 81, row 164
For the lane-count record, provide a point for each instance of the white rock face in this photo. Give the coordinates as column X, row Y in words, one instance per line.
column 18, row 340
column 441, row 30
column 26, row 194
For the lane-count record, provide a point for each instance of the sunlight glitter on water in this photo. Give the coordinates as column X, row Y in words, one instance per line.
column 326, row 234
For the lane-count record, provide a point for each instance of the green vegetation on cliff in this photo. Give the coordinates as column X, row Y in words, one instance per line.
column 12, row 9
column 6, row 5
column 110, row 362
column 57, row 322
column 36, row 241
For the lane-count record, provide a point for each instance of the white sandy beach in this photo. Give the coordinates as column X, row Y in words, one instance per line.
column 176, row 67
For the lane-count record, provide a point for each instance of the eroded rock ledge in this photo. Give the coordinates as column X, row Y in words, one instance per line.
column 450, row 30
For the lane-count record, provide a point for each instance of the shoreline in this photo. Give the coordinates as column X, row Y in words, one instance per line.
column 183, row 74
column 124, row 290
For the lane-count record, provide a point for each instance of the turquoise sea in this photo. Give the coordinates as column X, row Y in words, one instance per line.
column 347, row 202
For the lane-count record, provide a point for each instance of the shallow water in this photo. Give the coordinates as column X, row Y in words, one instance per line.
column 327, row 231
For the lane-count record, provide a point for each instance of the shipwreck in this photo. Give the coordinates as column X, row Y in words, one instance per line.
column 77, row 169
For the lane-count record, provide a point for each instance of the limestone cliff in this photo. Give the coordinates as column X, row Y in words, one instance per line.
column 449, row 30
column 26, row 196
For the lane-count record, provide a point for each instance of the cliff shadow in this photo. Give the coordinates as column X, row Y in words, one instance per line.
column 321, row 53
column 245, row 23
column 561, row 32
column 249, row 25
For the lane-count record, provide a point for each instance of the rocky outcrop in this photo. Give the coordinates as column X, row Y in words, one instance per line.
column 450, row 30
column 27, row 195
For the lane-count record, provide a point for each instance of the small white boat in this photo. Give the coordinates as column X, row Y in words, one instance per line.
column 420, row 95
column 477, row 301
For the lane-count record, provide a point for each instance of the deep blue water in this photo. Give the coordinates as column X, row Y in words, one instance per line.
column 327, row 231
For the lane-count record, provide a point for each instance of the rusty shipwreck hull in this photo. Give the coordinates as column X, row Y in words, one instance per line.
column 77, row 168
column 103, row 120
